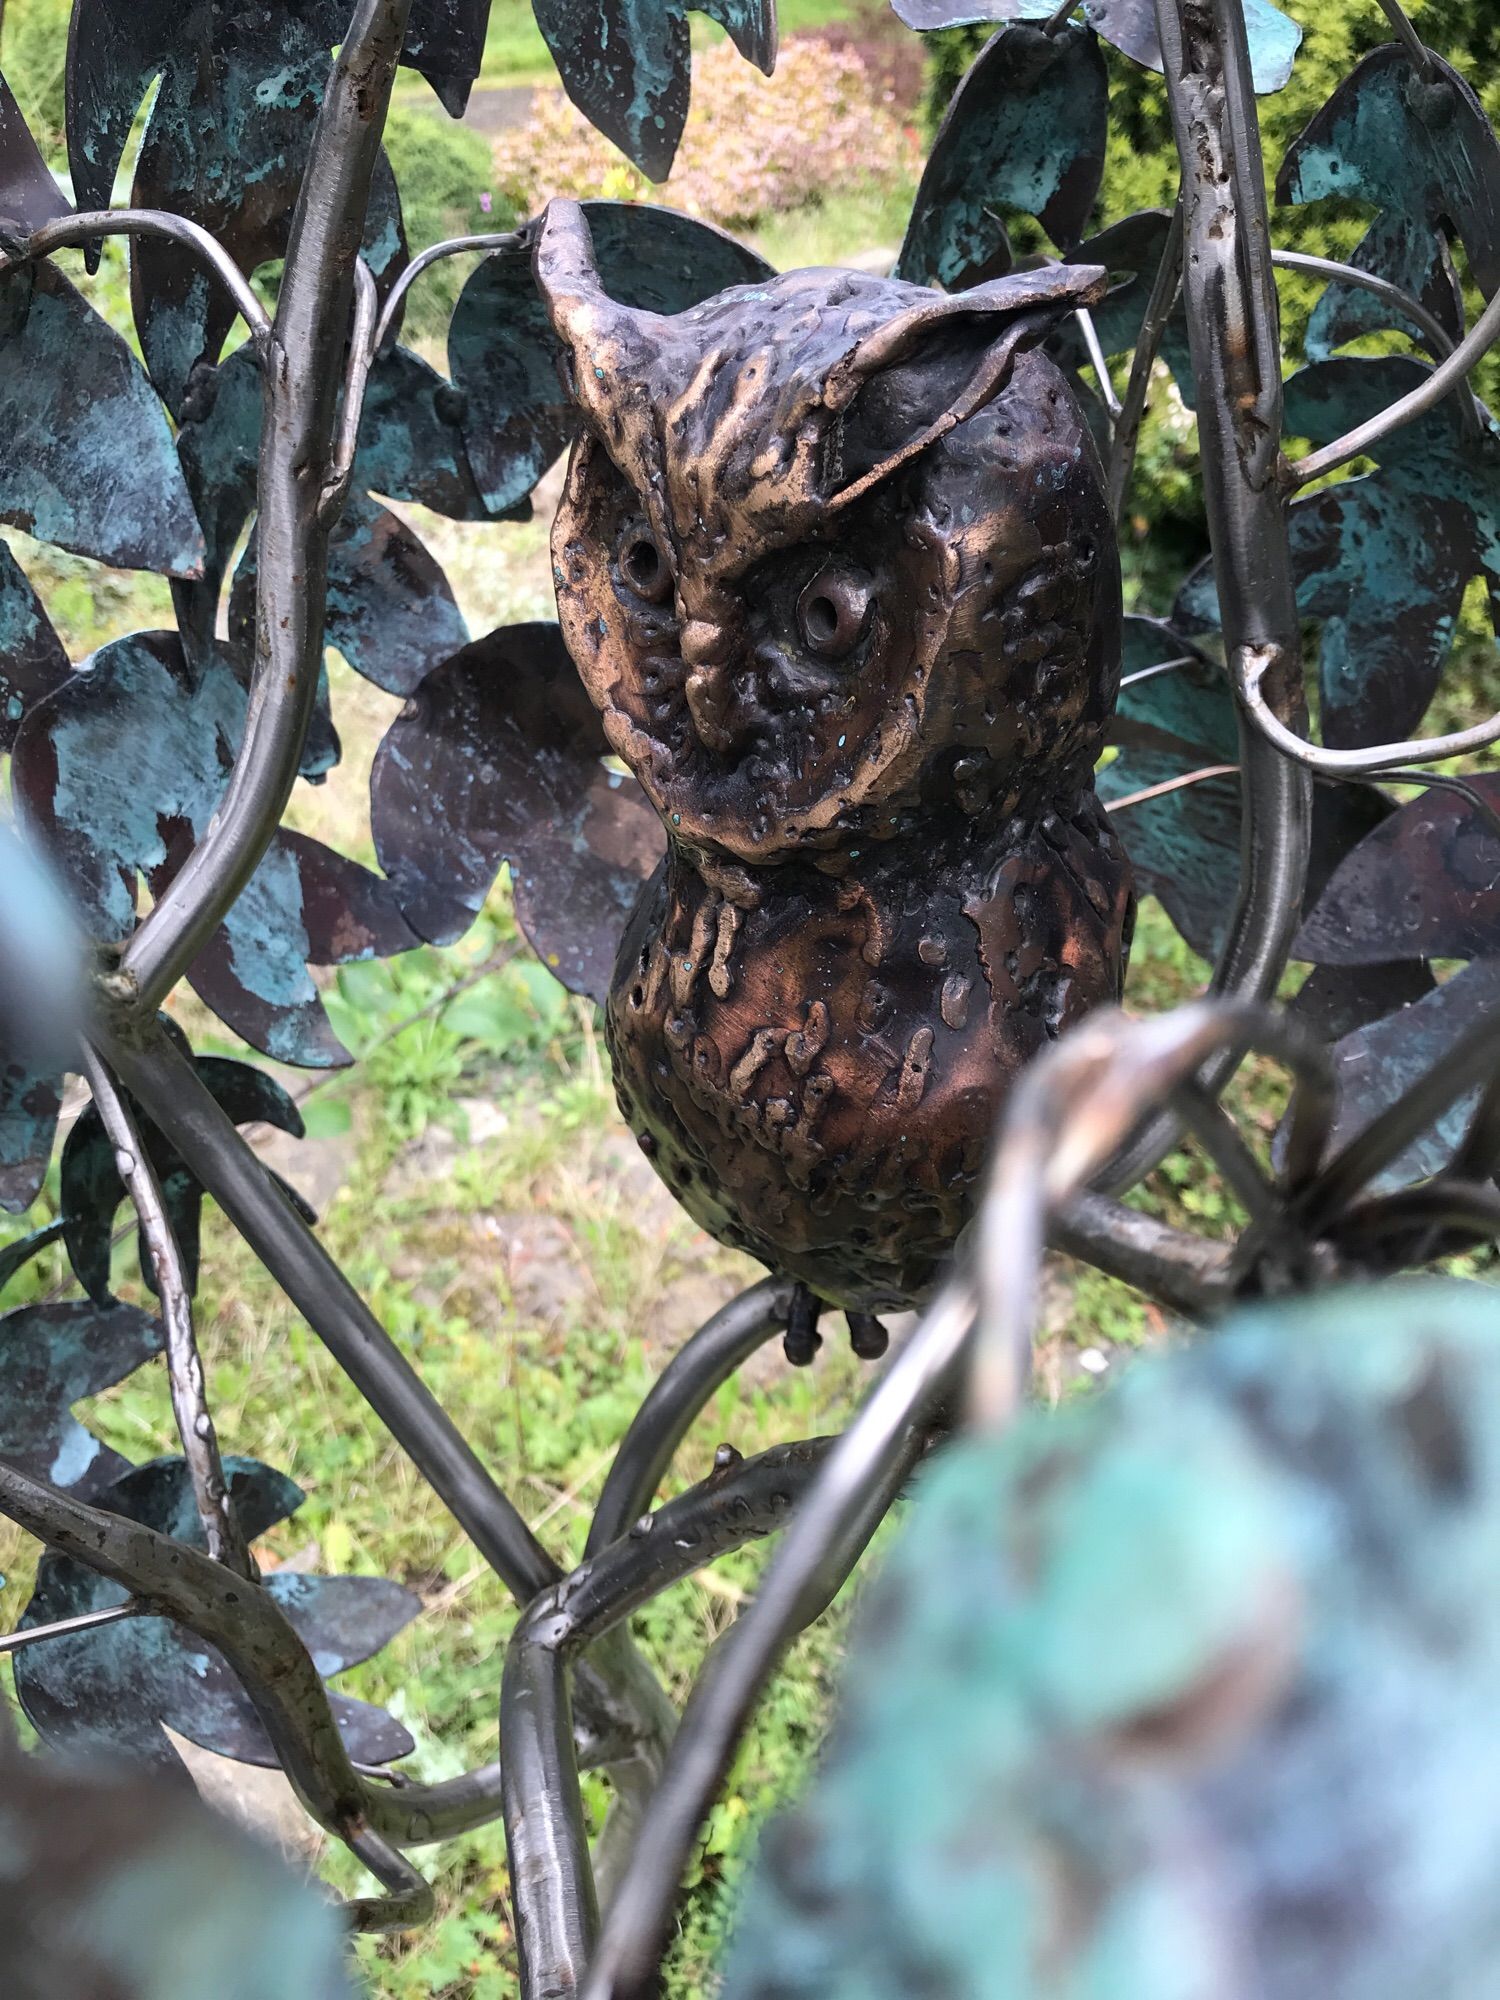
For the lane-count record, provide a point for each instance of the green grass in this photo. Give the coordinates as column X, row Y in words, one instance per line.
column 515, row 53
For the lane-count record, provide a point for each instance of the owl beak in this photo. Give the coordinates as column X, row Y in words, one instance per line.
column 709, row 689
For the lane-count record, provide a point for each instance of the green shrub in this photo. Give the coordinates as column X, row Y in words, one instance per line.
column 447, row 181
column 33, row 55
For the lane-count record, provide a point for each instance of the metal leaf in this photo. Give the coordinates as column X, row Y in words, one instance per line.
column 411, row 439
column 391, row 611
column 1421, row 149
column 29, row 196
column 1184, row 846
column 120, row 772
column 499, row 756
column 1128, row 25
column 1376, row 1064
column 627, row 65
column 503, row 355
column 108, row 1692
column 124, row 1887
column 92, row 1191
column 1424, row 884
column 1026, row 130
column 88, row 462
column 30, row 1101
column 32, row 659
column 52, row 1356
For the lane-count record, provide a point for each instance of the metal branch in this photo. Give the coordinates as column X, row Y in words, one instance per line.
column 720, row 1346
column 505, row 239
column 302, row 357
column 1251, row 667
column 1164, row 289
column 356, row 381
column 1187, row 1274
column 65, row 1628
column 1234, row 336
column 1407, row 35
column 166, row 1084
column 195, row 1425
column 88, row 227
column 1099, row 362
column 839, row 1513
column 410, row 1902
column 1176, row 784
column 1449, row 374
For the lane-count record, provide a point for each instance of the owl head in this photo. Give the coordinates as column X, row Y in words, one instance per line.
column 834, row 556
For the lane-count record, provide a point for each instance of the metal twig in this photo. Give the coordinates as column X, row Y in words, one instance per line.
column 1159, row 304
column 69, row 230
column 1099, row 362
column 65, row 1628
column 1252, row 666
column 1172, row 785
column 504, row 239
column 1407, row 35
column 302, row 366
column 195, row 1424
column 356, row 381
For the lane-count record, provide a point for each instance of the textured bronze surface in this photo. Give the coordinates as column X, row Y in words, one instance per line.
column 835, row 563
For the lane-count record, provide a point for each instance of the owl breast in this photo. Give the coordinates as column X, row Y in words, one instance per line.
column 816, row 1071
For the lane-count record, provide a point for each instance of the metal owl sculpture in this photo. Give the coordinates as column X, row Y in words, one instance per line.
column 835, row 564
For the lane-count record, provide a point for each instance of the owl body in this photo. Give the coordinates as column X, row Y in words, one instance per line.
column 835, row 563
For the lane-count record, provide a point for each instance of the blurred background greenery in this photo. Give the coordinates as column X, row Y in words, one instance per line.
column 470, row 1169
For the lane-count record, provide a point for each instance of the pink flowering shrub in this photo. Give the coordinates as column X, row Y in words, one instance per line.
column 753, row 144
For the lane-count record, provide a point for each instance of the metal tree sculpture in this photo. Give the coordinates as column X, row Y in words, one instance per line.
column 169, row 758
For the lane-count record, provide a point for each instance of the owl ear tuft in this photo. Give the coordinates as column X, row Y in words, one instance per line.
column 589, row 323
column 929, row 368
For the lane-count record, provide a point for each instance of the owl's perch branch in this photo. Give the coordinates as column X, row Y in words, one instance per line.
column 1234, row 336
column 302, row 372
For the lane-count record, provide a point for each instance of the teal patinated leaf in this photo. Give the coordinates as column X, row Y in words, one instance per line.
column 626, row 64
column 108, row 1692
column 1025, row 132
column 30, row 1100
column 92, row 1192
column 128, row 1886
column 120, row 772
column 51, row 1357
column 1128, row 25
column 503, row 354
column 1179, row 1690
column 500, row 757
column 390, row 611
column 1184, row 846
column 88, row 462
column 32, row 660
column 29, row 196
column 1422, row 151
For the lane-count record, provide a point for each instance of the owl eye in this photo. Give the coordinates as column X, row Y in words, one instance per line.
column 644, row 567
column 833, row 611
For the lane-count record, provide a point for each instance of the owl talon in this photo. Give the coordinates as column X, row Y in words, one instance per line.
column 802, row 1339
column 867, row 1336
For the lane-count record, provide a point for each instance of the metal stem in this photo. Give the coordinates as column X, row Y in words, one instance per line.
column 505, row 239
column 1251, row 667
column 1164, row 289
column 1448, row 374
column 356, row 381
column 89, row 226
column 1234, row 336
column 839, row 1512
column 1185, row 1273
column 195, row 1425
column 1099, row 362
column 65, row 1628
column 302, row 358
column 1407, row 35
column 722, row 1344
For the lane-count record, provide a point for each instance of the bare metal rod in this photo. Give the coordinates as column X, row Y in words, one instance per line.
column 1382, row 288
column 1163, row 296
column 195, row 1425
column 65, row 1628
column 551, row 1878
column 1450, row 372
column 1250, row 669
column 1407, row 35
column 503, row 239
column 1187, row 1274
column 1099, row 362
column 814, row 1550
column 1234, row 337
column 356, row 381
column 701, row 1366
column 89, row 226
column 302, row 361
column 409, row 1901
